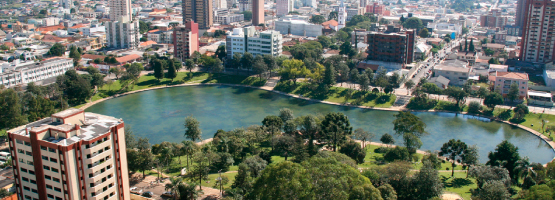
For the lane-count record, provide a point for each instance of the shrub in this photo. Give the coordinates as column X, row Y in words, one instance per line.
column 397, row 153
column 381, row 150
column 474, row 107
column 421, row 102
column 446, row 105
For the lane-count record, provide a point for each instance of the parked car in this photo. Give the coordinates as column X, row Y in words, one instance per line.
column 167, row 194
column 148, row 194
column 135, row 190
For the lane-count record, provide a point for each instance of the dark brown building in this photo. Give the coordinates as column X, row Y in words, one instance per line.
column 200, row 11
column 257, row 12
column 394, row 45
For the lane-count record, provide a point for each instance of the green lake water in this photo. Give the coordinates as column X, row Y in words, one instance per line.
column 160, row 114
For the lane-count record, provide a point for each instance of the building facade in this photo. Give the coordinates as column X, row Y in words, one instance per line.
column 504, row 80
column 493, row 19
column 520, row 12
column 283, row 7
column 16, row 73
column 455, row 75
column 229, row 18
column 185, row 40
column 375, row 8
column 119, row 8
column 244, row 5
column 341, row 16
column 122, row 34
column 70, row 155
column 257, row 12
column 298, row 27
column 200, row 11
column 247, row 39
column 537, row 43
column 393, row 46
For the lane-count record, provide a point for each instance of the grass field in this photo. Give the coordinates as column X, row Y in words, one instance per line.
column 337, row 95
column 458, row 184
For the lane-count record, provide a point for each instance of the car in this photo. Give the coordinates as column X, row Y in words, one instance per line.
column 135, row 190
column 147, row 194
column 167, row 194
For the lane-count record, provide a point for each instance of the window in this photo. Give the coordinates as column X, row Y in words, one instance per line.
column 55, row 170
column 47, row 177
column 33, row 182
column 34, row 191
column 19, row 141
column 52, row 150
column 50, row 196
column 56, row 180
column 57, row 189
column 43, row 148
column 53, row 160
column 27, row 188
column 27, row 143
column 25, row 179
column 49, row 186
column 32, row 172
column 24, row 170
column 21, row 160
column 30, row 163
column 46, row 167
column 58, row 198
column 45, row 157
column 28, row 153
column 20, row 151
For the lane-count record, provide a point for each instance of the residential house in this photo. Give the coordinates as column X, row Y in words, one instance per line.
column 467, row 56
column 503, row 81
column 456, row 75
column 440, row 81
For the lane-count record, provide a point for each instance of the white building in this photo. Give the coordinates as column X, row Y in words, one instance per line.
column 298, row 27
column 16, row 73
column 310, row 3
column 257, row 43
column 92, row 29
column 229, row 18
column 456, row 75
column 165, row 37
column 122, row 34
column 283, row 7
column 119, row 8
column 67, row 4
column 442, row 28
column 341, row 15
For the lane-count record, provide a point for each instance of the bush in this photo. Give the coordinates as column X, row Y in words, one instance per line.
column 474, row 107
column 421, row 102
column 397, row 153
column 505, row 115
column 446, row 105
column 381, row 150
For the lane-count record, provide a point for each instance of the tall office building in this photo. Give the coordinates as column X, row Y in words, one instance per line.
column 520, row 12
column 119, row 8
column 185, row 40
column 283, row 7
column 200, row 11
column 257, row 12
column 70, row 155
column 341, row 15
column 537, row 37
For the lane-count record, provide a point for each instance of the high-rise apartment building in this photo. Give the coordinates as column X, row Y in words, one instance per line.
column 376, row 8
column 123, row 34
column 520, row 12
column 70, row 155
column 493, row 19
column 244, row 5
column 200, row 11
column 67, row 4
column 537, row 32
column 363, row 3
column 394, row 45
column 119, row 8
column 247, row 39
column 283, row 7
column 185, row 40
column 257, row 12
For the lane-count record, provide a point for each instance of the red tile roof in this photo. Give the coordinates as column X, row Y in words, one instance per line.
column 128, row 58
column 148, row 43
column 513, row 75
column 331, row 22
column 92, row 56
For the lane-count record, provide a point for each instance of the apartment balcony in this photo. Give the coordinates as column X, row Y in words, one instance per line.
column 100, row 194
column 98, row 165
column 101, row 183
column 97, row 146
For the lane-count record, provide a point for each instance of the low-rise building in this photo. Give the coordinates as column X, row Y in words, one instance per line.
column 456, row 75
column 469, row 56
column 16, row 73
column 503, row 81
column 298, row 27
column 229, row 18
column 242, row 40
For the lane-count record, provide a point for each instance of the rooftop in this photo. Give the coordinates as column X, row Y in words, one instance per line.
column 450, row 68
column 513, row 75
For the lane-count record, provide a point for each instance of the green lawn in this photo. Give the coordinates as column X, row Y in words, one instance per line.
column 212, row 180
column 458, row 184
column 337, row 95
column 533, row 121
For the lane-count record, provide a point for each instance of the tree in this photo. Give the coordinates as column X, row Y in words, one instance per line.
column 387, row 139
column 173, row 186
column 397, row 154
column 409, row 84
column 116, row 71
column 285, row 114
column 493, row 99
column 492, row 190
column 336, row 127
column 474, row 107
column 424, row 33
column 470, row 157
column 413, row 23
column 383, row 21
column 333, row 15
column 427, row 183
column 258, row 66
column 270, row 62
column 363, row 135
column 247, row 15
column 310, row 127
column 493, row 61
column 247, row 61
column 158, row 69
column 347, row 49
column 353, row 150
column 74, row 53
column 317, row 19
column 189, row 191
column 57, row 50
column 434, row 160
column 488, row 52
column 172, row 72
column 201, row 166
column 75, row 87
column 272, row 123
column 329, row 76
column 513, row 92
column 189, row 65
column 192, row 128
column 471, row 45
column 456, row 93
column 325, row 41
column 220, row 52
column 454, row 150
column 215, row 65
column 411, row 128
column 10, row 109
column 283, row 144
column 505, row 155
column 293, row 69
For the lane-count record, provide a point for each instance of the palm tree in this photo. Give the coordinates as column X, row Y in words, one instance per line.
column 173, row 186
column 523, row 168
column 188, row 149
column 189, row 191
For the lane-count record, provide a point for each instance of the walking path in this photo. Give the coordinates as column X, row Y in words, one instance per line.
column 270, row 89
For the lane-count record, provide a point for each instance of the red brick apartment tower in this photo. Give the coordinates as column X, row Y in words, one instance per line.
column 537, row 31
column 185, row 40
column 71, row 155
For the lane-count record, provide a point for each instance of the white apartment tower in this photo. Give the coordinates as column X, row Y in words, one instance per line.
column 67, row 4
column 341, row 15
column 119, row 8
column 284, row 7
column 123, row 34
column 70, row 155
column 257, row 43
